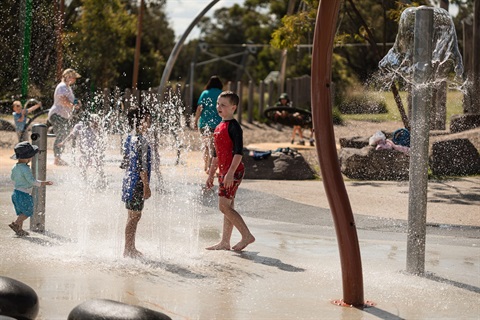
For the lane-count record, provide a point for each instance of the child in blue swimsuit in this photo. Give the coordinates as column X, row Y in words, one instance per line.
column 136, row 184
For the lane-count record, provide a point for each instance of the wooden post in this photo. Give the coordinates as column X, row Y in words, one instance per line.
column 127, row 101
column 261, row 98
column 240, row 96
column 270, row 94
column 250, row 101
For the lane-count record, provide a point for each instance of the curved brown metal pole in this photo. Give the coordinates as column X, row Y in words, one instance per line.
column 327, row 153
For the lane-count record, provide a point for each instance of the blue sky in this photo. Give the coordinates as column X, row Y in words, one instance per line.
column 182, row 12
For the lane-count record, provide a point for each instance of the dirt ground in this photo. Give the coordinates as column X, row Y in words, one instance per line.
column 271, row 136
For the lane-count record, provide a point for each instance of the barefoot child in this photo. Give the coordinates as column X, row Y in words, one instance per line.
column 228, row 138
column 24, row 181
column 90, row 140
column 136, row 183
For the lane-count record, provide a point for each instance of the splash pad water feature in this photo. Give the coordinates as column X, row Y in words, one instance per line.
column 71, row 264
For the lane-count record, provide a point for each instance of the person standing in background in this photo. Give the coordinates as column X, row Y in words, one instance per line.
column 207, row 118
column 64, row 103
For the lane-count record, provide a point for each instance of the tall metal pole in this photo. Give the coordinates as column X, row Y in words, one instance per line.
column 39, row 169
column 345, row 228
column 178, row 47
column 418, row 175
column 137, row 46
column 27, row 30
column 475, row 108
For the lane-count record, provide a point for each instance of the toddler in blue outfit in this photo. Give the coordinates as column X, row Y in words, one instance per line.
column 24, row 182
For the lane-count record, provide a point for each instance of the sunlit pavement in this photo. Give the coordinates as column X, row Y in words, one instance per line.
column 292, row 271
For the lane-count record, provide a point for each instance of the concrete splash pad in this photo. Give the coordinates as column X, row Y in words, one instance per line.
column 291, row 272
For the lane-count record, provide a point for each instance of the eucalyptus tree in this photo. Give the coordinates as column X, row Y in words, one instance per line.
column 99, row 38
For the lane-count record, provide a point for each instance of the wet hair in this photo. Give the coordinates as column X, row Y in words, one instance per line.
column 135, row 117
column 231, row 96
column 214, row 82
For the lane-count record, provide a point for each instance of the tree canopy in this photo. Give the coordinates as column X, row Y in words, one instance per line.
column 99, row 40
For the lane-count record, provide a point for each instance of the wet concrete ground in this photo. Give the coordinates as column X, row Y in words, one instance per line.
column 292, row 271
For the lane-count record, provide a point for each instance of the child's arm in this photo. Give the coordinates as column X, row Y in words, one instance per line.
column 70, row 135
column 33, row 108
column 211, row 172
column 146, row 185
column 197, row 115
column 228, row 180
column 28, row 175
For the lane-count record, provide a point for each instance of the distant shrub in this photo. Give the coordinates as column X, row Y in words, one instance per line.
column 361, row 102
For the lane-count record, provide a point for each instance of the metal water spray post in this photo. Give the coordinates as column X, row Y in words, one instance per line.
column 39, row 169
column 418, row 175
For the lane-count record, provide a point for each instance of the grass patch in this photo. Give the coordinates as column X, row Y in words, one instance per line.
column 454, row 106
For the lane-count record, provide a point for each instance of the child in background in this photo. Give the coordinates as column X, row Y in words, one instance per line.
column 20, row 116
column 24, row 182
column 227, row 157
column 136, row 184
column 90, row 139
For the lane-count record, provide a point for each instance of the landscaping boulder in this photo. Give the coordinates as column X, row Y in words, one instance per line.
column 454, row 157
column 104, row 309
column 17, row 300
column 370, row 164
column 356, row 142
column 6, row 125
column 463, row 122
column 280, row 165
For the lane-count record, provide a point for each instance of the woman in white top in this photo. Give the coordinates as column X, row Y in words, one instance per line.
column 64, row 103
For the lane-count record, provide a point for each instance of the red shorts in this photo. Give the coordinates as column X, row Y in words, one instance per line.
column 230, row 192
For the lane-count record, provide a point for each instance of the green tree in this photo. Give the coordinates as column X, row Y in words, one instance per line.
column 42, row 47
column 156, row 44
column 100, row 39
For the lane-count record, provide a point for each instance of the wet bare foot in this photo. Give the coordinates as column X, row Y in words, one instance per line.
column 243, row 243
column 133, row 253
column 220, row 246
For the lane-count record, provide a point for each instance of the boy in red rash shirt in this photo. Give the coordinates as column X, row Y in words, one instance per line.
column 228, row 137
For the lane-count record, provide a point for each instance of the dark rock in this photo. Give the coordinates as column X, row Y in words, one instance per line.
column 463, row 122
column 6, row 125
column 354, row 142
column 17, row 300
column 278, row 166
column 454, row 157
column 370, row 164
column 103, row 309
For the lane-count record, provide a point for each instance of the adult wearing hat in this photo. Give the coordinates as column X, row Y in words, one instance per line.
column 64, row 103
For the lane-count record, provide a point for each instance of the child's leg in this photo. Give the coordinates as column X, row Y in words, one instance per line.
column 208, row 146
column 300, row 132
column 130, row 233
column 226, row 206
column 224, row 244
column 20, row 219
